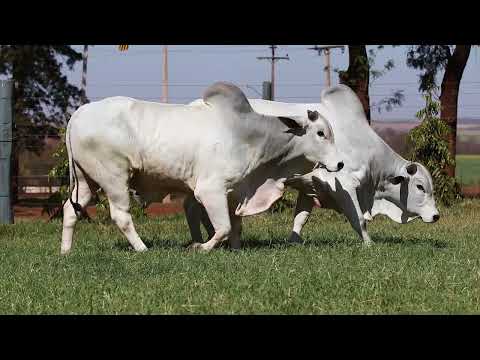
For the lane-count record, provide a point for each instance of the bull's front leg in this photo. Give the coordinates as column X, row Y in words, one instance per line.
column 302, row 212
column 214, row 199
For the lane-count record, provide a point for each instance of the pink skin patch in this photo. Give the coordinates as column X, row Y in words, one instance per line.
column 264, row 197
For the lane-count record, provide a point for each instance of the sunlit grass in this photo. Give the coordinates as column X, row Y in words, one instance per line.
column 413, row 268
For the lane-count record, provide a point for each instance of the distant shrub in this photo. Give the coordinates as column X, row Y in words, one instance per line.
column 428, row 145
column 288, row 201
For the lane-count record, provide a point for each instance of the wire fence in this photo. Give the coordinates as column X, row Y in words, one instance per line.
column 38, row 186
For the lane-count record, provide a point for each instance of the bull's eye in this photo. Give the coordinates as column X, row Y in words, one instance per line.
column 321, row 133
column 420, row 187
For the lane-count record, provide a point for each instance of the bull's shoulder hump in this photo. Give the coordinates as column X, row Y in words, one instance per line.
column 341, row 94
column 227, row 94
column 342, row 98
column 339, row 89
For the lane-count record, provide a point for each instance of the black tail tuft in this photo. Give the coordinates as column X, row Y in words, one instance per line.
column 77, row 207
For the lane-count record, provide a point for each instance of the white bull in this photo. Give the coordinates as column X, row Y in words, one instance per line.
column 375, row 180
column 231, row 159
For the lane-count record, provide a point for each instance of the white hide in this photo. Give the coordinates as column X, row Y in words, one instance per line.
column 219, row 151
column 366, row 186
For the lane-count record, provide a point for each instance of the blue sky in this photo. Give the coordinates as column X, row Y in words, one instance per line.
column 138, row 73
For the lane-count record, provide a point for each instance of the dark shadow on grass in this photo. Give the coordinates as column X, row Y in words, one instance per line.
column 258, row 242
column 255, row 243
column 392, row 239
column 152, row 244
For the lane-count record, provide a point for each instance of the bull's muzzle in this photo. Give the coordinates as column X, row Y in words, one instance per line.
column 339, row 167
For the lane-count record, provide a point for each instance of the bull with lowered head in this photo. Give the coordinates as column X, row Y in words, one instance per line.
column 375, row 179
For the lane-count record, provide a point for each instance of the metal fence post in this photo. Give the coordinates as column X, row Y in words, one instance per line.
column 6, row 121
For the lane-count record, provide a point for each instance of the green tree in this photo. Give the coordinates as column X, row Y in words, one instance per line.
column 360, row 74
column 428, row 144
column 43, row 97
column 357, row 76
column 61, row 170
column 431, row 60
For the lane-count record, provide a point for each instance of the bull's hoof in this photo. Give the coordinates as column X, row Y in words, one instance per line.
column 368, row 243
column 196, row 247
column 139, row 248
column 295, row 239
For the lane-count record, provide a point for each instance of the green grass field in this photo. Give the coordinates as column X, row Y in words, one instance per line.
column 413, row 268
column 468, row 169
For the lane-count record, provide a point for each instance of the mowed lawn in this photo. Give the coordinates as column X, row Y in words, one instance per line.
column 468, row 169
column 415, row 268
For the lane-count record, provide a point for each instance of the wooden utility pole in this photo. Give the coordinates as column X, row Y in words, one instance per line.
column 273, row 58
column 164, row 97
column 84, row 74
column 165, row 75
column 327, row 69
column 167, row 199
column 328, row 81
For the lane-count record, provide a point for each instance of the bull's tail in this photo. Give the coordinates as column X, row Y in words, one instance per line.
column 70, row 160
column 72, row 173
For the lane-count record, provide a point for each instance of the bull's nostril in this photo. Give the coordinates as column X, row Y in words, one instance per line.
column 340, row 165
column 436, row 217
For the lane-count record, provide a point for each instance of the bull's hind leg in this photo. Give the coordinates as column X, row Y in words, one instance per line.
column 113, row 178
column 69, row 217
column 121, row 216
column 119, row 201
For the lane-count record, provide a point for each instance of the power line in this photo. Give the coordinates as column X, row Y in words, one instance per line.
column 326, row 50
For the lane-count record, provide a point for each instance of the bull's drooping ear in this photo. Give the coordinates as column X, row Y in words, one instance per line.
column 312, row 115
column 395, row 180
column 412, row 169
column 290, row 123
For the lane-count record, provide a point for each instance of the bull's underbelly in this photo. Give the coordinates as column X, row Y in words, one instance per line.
column 152, row 187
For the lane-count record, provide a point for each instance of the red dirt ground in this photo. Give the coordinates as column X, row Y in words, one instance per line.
column 472, row 191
